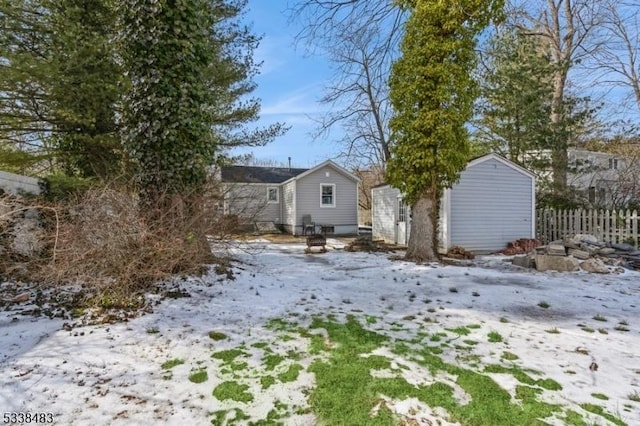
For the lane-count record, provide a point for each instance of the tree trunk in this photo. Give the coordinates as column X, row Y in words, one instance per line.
column 559, row 157
column 422, row 238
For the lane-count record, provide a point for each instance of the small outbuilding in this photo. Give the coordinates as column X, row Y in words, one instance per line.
column 492, row 204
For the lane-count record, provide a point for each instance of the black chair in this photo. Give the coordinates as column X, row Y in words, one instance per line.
column 308, row 225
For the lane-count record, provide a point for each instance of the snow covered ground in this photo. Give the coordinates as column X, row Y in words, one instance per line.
column 111, row 374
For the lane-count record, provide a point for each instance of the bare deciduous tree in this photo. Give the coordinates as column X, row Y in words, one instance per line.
column 361, row 39
column 571, row 30
column 618, row 60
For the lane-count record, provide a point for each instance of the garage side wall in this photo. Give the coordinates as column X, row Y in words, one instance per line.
column 383, row 213
column 490, row 206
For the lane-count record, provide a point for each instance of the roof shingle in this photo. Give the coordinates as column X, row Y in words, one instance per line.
column 255, row 174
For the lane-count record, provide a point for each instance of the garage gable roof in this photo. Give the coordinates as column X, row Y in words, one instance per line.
column 503, row 160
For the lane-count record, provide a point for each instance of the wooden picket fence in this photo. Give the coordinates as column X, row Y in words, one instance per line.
column 607, row 225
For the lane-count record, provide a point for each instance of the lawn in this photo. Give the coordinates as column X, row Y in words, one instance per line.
column 342, row 339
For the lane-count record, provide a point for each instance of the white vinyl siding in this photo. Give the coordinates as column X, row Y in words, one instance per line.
column 490, row 206
column 344, row 216
column 383, row 213
column 249, row 202
column 288, row 203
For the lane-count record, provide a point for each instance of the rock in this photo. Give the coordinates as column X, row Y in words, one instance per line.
column 623, row 247
column 523, row 261
column 594, row 266
column 606, row 251
column 27, row 237
column 556, row 263
column 556, row 250
column 585, row 238
column 579, row 254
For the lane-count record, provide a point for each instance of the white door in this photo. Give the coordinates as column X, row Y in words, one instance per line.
column 401, row 222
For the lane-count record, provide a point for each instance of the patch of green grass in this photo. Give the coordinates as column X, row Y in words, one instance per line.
column 271, row 361
column 599, row 318
column 574, row 419
column 474, row 326
column 233, row 391
column 588, row 330
column 167, row 365
column 635, row 396
column 553, row 330
column 461, row 331
column 228, row 417
column 603, row 331
column 495, row 337
column 267, row 381
column 596, row 409
column 260, row 345
column 370, row 319
column 544, row 305
column 435, row 338
column 509, row 356
column 228, row 355
column 523, row 377
column 346, row 392
column 504, row 320
column 199, row 376
column 470, row 342
column 238, row 366
column 600, row 396
column 291, row 374
column 278, row 324
column 621, row 327
column 527, row 392
column 216, row 335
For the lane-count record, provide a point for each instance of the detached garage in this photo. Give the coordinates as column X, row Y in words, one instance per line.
column 492, row 204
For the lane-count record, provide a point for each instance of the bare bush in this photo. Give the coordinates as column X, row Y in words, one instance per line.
column 117, row 250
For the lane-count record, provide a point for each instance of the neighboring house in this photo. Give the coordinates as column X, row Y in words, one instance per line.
column 15, row 184
column 327, row 192
column 492, row 204
column 603, row 179
column 598, row 179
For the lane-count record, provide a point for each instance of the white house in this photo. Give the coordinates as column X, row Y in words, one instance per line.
column 324, row 197
column 492, row 204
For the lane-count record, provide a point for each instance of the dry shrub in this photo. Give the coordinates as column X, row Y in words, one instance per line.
column 118, row 250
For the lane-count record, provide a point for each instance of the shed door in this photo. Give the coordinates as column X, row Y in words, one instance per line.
column 401, row 222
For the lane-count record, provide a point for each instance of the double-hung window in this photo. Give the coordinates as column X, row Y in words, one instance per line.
column 272, row 195
column 327, row 195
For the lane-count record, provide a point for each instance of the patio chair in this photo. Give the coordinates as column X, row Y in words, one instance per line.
column 308, row 225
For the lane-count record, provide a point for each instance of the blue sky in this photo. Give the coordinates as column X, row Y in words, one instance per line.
column 289, row 85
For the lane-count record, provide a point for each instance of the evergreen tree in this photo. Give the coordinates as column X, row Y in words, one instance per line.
column 58, row 85
column 190, row 67
column 432, row 93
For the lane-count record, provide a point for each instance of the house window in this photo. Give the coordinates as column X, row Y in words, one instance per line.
column 402, row 211
column 272, row 195
column 613, row 163
column 327, row 195
column 592, row 194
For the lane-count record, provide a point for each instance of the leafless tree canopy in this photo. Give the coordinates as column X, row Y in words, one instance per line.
column 361, row 39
